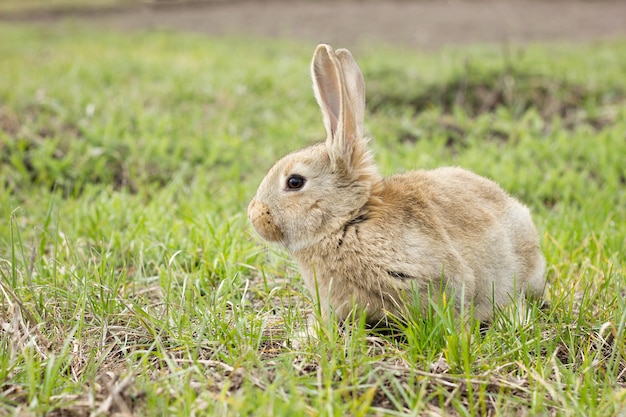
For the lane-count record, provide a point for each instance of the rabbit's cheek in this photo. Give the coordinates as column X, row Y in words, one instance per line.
column 263, row 222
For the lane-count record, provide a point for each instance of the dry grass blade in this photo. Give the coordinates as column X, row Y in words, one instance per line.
column 116, row 400
column 21, row 326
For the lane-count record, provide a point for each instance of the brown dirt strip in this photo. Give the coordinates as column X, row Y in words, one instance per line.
column 423, row 24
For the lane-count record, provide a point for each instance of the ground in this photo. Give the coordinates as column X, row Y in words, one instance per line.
column 424, row 24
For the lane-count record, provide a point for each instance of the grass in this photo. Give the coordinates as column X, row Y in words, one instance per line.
column 131, row 282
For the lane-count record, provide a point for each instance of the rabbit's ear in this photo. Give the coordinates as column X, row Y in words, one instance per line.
column 355, row 88
column 326, row 75
column 340, row 92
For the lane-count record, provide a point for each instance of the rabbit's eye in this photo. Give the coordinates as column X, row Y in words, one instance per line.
column 295, row 182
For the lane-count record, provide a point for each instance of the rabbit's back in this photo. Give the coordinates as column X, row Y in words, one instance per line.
column 472, row 218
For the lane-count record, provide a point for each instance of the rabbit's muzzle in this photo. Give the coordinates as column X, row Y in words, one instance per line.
column 261, row 218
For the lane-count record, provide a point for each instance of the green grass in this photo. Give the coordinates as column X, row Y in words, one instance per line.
column 130, row 280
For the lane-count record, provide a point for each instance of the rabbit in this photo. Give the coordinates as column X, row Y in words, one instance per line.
column 364, row 243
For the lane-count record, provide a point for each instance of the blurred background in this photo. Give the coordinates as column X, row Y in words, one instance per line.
column 414, row 23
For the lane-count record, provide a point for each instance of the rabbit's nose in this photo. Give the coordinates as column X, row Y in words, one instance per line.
column 263, row 222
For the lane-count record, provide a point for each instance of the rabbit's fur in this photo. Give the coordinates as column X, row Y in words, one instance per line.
column 366, row 242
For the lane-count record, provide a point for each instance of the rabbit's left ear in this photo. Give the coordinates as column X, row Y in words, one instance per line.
column 340, row 92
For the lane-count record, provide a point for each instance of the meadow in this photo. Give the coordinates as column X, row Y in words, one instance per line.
column 132, row 283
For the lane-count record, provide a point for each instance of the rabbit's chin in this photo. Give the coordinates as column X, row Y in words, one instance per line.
column 262, row 221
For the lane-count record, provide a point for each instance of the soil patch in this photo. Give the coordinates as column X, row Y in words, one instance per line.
column 477, row 92
column 424, row 24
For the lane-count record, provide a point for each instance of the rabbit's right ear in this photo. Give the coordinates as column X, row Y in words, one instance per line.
column 340, row 92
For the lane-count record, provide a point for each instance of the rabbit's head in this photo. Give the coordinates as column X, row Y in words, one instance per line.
column 321, row 187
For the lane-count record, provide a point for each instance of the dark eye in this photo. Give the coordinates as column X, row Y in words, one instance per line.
column 295, row 182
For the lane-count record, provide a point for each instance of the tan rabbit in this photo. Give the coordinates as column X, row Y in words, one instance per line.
column 363, row 241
